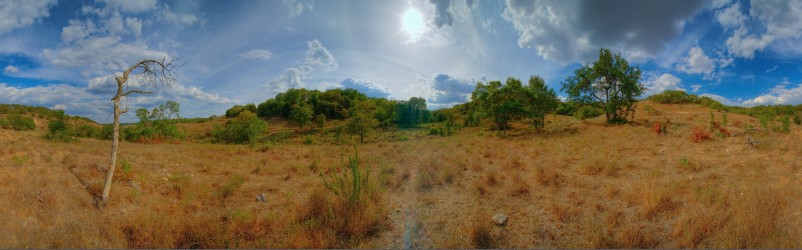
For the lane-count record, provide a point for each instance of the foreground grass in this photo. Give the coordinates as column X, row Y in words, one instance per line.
column 576, row 185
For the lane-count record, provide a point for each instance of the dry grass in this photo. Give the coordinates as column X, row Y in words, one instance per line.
column 577, row 184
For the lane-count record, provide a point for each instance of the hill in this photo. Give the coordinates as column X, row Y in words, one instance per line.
column 576, row 183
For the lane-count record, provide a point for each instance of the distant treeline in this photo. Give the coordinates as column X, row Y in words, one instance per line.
column 305, row 107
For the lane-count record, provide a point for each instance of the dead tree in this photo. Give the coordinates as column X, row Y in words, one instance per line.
column 155, row 74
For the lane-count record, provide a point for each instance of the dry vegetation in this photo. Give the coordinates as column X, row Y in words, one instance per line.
column 578, row 184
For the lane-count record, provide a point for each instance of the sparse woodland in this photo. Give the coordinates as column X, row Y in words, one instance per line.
column 606, row 168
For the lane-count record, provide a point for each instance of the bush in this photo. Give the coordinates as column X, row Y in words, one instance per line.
column 59, row 129
column 4, row 124
column 87, row 130
column 585, row 112
column 674, row 97
column 785, row 125
column 246, row 128
column 660, row 128
column 700, row 134
column 20, row 122
column 352, row 209
column 798, row 119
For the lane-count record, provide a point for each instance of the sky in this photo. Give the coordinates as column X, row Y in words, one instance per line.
column 65, row 54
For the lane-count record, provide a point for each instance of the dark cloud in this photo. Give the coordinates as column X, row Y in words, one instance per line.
column 442, row 15
column 570, row 30
column 451, row 90
column 368, row 88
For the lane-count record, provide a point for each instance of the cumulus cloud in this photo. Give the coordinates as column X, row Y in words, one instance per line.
column 368, row 88
column 53, row 95
column 696, row 87
column 319, row 55
column 780, row 94
column 106, row 85
column 442, row 14
column 451, row 89
column 176, row 18
column 656, row 84
column 10, row 69
column 568, row 31
column 290, row 78
column 731, row 17
column 721, row 99
column 19, row 14
column 257, row 54
column 697, row 63
column 130, row 6
column 96, row 50
column 772, row 21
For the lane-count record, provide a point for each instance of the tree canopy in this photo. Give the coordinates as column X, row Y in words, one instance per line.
column 610, row 84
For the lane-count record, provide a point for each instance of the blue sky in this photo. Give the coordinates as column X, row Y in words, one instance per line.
column 61, row 54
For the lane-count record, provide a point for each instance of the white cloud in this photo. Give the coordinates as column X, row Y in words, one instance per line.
column 780, row 94
column 95, row 51
column 697, row 63
column 10, row 69
column 19, row 14
column 772, row 69
column 731, row 17
column 78, row 30
column 46, row 96
column 696, row 87
column 129, row 6
column 656, row 84
column 721, row 99
column 319, row 55
column 774, row 21
column 257, row 54
column 569, row 31
column 290, row 78
column 134, row 25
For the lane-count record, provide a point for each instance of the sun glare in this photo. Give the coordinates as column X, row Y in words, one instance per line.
column 412, row 23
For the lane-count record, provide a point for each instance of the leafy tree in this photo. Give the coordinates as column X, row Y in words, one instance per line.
column 412, row 112
column 361, row 121
column 609, row 84
column 234, row 111
column 246, row 128
column 301, row 115
column 58, row 129
column 502, row 102
column 674, row 97
column 320, row 121
column 542, row 101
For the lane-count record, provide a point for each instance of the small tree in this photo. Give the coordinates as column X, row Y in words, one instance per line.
column 246, row 128
column 320, row 121
column 154, row 73
column 360, row 123
column 502, row 102
column 301, row 115
column 59, row 129
column 542, row 101
column 609, row 84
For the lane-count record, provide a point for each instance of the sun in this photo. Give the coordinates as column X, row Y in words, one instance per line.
column 412, row 23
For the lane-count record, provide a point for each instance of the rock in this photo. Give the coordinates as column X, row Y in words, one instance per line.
column 500, row 219
column 261, row 197
column 751, row 142
column 134, row 185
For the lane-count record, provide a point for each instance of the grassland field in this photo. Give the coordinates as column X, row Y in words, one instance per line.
column 575, row 184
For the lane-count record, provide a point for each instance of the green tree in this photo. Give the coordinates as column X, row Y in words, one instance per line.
column 502, row 102
column 301, row 115
column 246, row 128
column 412, row 112
column 21, row 122
column 609, row 84
column 542, row 101
column 58, row 129
column 361, row 121
column 320, row 121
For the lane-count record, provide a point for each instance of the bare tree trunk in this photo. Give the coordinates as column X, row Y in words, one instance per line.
column 114, row 143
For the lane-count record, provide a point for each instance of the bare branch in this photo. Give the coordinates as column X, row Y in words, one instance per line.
column 137, row 91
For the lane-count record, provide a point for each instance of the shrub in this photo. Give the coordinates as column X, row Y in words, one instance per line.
column 352, row 209
column 700, row 134
column 660, row 128
column 87, row 130
column 59, row 129
column 785, row 125
column 4, row 124
column 585, row 112
column 674, row 97
column 798, row 119
column 20, row 122
column 246, row 128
